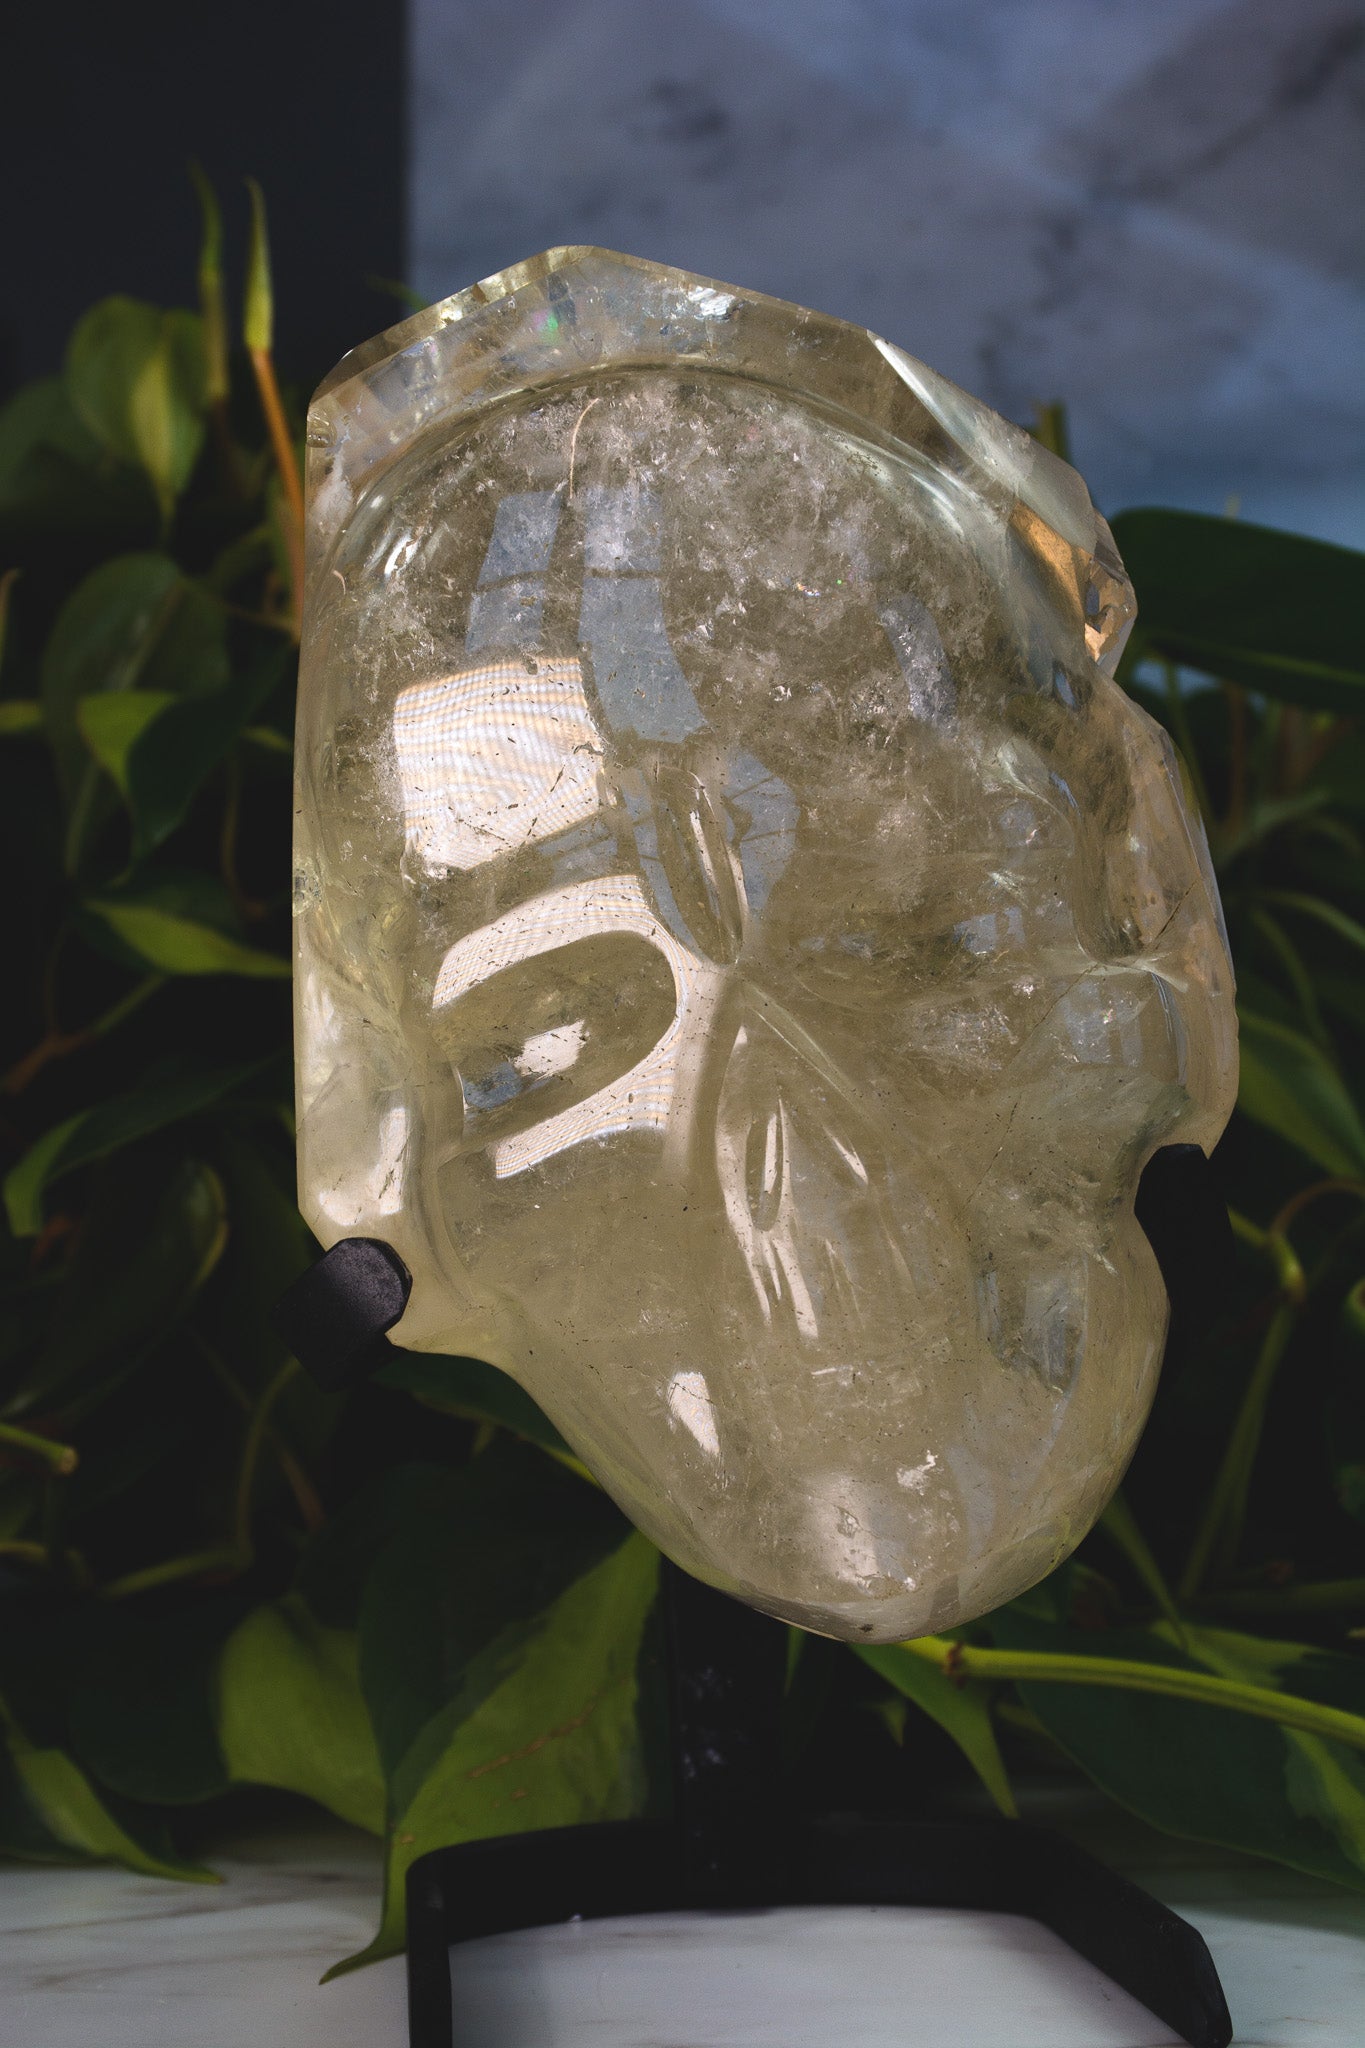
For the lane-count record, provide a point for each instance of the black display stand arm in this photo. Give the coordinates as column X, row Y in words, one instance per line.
column 730, row 1842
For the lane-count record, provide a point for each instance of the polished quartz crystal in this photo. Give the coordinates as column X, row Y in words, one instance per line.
column 748, row 945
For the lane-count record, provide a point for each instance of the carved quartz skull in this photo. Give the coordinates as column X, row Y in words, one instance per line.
column 748, row 945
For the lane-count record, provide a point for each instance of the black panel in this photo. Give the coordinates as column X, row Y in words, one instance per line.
column 104, row 107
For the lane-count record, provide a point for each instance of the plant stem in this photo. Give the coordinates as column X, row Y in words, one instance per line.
column 961, row 1661
column 1299, row 978
column 246, row 907
column 1296, row 1204
column 1215, row 1544
column 286, row 462
column 1052, row 430
column 1276, row 1247
column 1216, row 1539
column 196, row 1564
column 1121, row 1527
column 24, row 1551
column 251, row 1451
column 57, row 1045
column 300, row 1485
column 57, row 1458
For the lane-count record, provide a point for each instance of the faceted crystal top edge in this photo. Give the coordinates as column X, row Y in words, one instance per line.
column 580, row 310
column 458, row 306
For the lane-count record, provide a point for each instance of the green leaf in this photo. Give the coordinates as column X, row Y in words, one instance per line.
column 151, row 1235
column 62, row 1818
column 20, row 715
column 1289, row 1085
column 476, row 1557
column 474, row 1390
column 553, row 1744
column 1198, row 1771
column 1348, row 929
column 269, row 1247
column 1276, row 612
column 962, row 1711
column 211, row 305
column 110, row 725
column 41, row 416
column 56, row 484
column 340, row 1557
column 142, row 1697
column 139, row 380
column 24, row 1183
column 159, row 748
column 164, row 938
column 134, row 624
column 291, row 1713
column 166, row 1095
column 258, row 313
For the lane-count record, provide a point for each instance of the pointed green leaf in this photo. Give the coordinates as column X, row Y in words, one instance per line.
column 1289, row 1085
column 57, row 484
column 553, row 1744
column 174, row 944
column 1222, row 1777
column 160, row 747
column 961, row 1711
column 475, row 1558
column 164, row 1096
column 24, row 1183
column 138, row 376
column 135, row 624
column 153, row 1231
column 111, row 724
column 258, row 314
column 1276, row 612
column 470, row 1388
column 67, row 1820
column 291, row 1713
column 141, row 1694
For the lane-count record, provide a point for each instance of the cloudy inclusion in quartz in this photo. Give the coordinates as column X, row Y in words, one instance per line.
column 748, row 945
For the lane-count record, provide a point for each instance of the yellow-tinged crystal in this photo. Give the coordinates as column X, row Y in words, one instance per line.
column 748, row 945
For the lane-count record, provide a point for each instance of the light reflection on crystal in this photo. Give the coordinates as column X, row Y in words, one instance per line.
column 641, row 1100
column 494, row 758
column 748, row 944
column 690, row 1405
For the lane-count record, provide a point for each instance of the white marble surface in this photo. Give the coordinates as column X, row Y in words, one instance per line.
column 1149, row 208
column 102, row 1959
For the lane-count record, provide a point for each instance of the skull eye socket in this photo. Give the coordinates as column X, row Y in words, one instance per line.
column 541, row 1036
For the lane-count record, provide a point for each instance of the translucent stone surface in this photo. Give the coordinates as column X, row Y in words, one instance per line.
column 748, row 946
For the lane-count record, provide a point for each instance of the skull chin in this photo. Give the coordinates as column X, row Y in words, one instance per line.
column 806, row 1401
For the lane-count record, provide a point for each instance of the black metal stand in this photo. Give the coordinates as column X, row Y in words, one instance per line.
column 731, row 1841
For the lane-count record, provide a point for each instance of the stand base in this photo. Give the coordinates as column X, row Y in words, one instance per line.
column 732, row 1844
column 626, row 1867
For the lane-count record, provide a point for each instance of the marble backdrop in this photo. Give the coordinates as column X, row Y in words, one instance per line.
column 1149, row 208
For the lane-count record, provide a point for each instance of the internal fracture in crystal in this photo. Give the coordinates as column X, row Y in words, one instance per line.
column 748, row 944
